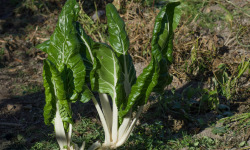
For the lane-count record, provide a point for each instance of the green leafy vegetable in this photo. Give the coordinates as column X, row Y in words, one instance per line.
column 77, row 66
column 64, row 72
column 162, row 41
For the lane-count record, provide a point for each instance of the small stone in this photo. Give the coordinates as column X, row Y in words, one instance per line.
column 11, row 107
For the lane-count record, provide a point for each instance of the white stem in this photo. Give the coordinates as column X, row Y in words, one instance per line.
column 127, row 134
column 104, row 123
column 59, row 129
column 125, row 124
column 69, row 135
column 115, row 123
column 95, row 146
column 83, row 146
column 106, row 108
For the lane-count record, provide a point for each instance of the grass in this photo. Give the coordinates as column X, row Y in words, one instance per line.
column 1, row 57
column 85, row 129
column 95, row 29
column 147, row 136
column 88, row 130
column 29, row 89
column 21, row 90
column 237, row 122
column 201, row 12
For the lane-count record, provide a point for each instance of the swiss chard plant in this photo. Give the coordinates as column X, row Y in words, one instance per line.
column 78, row 68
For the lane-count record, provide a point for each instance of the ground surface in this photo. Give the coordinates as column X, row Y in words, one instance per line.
column 219, row 31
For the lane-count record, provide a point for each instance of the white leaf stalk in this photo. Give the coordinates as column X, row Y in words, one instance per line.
column 114, row 136
column 64, row 139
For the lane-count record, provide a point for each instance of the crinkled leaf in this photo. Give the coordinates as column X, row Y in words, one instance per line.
column 50, row 98
column 88, row 59
column 177, row 15
column 162, row 41
column 64, row 47
column 55, row 93
column 164, row 78
column 86, row 95
column 128, row 71
column 44, row 46
column 86, row 49
column 163, row 33
column 106, row 76
column 119, row 41
column 57, row 81
column 118, row 37
column 142, row 88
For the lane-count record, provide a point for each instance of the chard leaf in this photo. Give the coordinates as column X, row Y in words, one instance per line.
column 177, row 15
column 106, row 76
column 44, row 46
column 142, row 88
column 86, row 95
column 119, row 41
column 162, row 41
column 50, row 98
column 128, row 71
column 118, row 37
column 65, row 47
column 55, row 93
column 163, row 33
column 86, row 49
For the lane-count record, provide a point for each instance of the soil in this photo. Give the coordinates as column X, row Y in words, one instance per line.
column 21, row 85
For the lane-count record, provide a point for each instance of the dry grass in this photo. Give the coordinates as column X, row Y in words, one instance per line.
column 140, row 23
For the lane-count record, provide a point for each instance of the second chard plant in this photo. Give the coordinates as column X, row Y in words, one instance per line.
column 78, row 68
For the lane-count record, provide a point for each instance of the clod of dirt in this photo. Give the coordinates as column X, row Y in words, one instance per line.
column 208, row 132
column 139, row 67
column 11, row 107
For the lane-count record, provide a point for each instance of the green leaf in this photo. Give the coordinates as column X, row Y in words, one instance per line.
column 64, row 36
column 243, row 67
column 164, row 78
column 162, row 41
column 86, row 95
column 50, row 98
column 44, row 46
column 55, row 93
column 106, row 76
column 86, row 49
column 177, row 15
column 163, row 33
column 119, row 41
column 143, row 87
column 118, row 37
column 128, row 72
column 243, row 143
column 57, row 81
column 65, row 47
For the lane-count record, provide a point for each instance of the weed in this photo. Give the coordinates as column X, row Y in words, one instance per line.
column 190, row 142
column 1, row 57
column 237, row 122
column 95, row 29
column 87, row 130
column 45, row 145
column 226, row 84
column 29, row 89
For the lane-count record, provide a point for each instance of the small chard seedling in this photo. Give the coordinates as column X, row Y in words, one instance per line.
column 77, row 67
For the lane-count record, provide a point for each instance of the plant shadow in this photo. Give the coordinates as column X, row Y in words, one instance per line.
column 22, row 123
column 178, row 119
